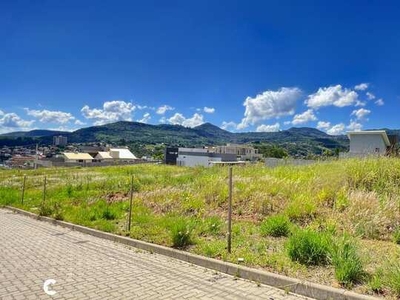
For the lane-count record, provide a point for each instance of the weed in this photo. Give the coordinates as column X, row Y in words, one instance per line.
column 212, row 225
column 308, row 247
column 392, row 278
column 57, row 211
column 181, row 233
column 69, row 190
column 396, row 236
column 45, row 209
column 276, row 226
column 376, row 283
column 347, row 263
column 108, row 214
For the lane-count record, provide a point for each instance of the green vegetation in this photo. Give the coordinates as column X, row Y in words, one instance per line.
column 309, row 247
column 290, row 220
column 396, row 236
column 348, row 265
column 392, row 277
column 276, row 226
column 181, row 232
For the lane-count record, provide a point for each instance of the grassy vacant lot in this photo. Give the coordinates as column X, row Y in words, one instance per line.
column 335, row 223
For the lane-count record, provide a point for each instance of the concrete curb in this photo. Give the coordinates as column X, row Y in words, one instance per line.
column 293, row 285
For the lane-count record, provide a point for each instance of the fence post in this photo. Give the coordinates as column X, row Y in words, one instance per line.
column 230, row 211
column 44, row 189
column 23, row 190
column 130, row 206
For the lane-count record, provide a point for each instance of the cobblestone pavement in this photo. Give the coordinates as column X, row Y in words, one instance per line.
column 86, row 267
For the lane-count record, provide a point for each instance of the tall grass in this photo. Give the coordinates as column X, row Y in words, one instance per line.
column 276, row 226
column 348, row 265
column 308, row 247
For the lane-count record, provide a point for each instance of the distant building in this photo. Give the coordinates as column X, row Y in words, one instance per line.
column 191, row 157
column 60, row 140
column 19, row 161
column 367, row 143
column 170, row 155
column 243, row 152
column 73, row 157
column 103, row 156
column 122, row 154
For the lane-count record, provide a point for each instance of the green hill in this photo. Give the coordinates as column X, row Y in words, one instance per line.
column 296, row 141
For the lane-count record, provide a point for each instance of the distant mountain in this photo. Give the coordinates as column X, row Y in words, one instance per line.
column 34, row 133
column 300, row 141
column 211, row 131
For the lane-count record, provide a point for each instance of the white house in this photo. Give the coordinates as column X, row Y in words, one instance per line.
column 364, row 143
column 73, row 157
column 191, row 157
column 122, row 154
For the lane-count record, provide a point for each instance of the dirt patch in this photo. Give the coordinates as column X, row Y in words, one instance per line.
column 116, row 197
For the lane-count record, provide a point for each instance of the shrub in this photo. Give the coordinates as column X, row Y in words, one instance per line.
column 308, row 247
column 347, row 263
column 181, row 232
column 275, row 226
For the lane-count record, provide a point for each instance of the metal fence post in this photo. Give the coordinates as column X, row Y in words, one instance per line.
column 130, row 206
column 44, row 189
column 23, row 190
column 230, row 211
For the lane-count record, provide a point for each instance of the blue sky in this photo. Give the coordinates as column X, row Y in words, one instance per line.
column 241, row 65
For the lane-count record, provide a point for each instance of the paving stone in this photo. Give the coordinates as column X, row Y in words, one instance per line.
column 87, row 267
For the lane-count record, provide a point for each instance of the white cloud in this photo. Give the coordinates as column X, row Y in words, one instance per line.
column 145, row 119
column 209, row 110
column 179, row 119
column 163, row 120
column 359, row 103
column 163, row 109
column 323, row 125
column 333, row 95
column 228, row 125
column 269, row 104
column 354, row 126
column 78, row 122
column 360, row 113
column 305, row 117
column 50, row 116
column 336, row 129
column 268, row 128
column 1, row 112
column 12, row 121
column 61, row 128
column 379, row 102
column 361, row 87
column 112, row 111
column 370, row 96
